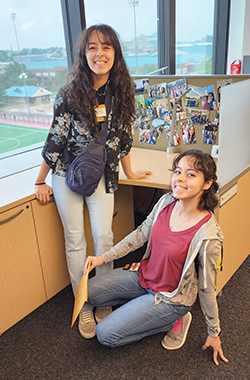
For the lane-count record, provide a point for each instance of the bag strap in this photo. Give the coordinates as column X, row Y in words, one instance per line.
column 104, row 124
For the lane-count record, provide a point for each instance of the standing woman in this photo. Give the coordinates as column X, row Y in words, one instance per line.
column 99, row 64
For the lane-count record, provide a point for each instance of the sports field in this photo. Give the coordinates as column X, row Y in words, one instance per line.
column 17, row 136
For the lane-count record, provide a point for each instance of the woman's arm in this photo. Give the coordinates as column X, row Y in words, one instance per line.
column 43, row 192
column 207, row 297
column 126, row 165
column 54, row 145
column 209, row 258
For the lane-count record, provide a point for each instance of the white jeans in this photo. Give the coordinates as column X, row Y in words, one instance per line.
column 70, row 207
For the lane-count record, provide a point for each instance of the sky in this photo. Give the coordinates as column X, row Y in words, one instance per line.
column 39, row 22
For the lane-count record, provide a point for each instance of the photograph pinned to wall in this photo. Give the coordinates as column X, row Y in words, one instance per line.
column 206, row 103
column 141, row 86
column 176, row 136
column 184, row 132
column 144, row 126
column 198, row 116
column 191, row 134
column 148, row 136
column 188, row 133
column 192, row 102
column 152, row 111
column 177, row 88
column 168, row 117
column 194, row 96
column 140, row 108
column 159, row 125
column 209, row 91
column 217, row 115
column 161, row 107
column 159, row 90
column 209, row 133
column 151, row 98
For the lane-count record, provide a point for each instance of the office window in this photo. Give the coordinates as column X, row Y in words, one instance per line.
column 194, row 36
column 33, row 66
column 136, row 23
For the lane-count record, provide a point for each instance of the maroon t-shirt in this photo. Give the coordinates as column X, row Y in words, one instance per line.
column 162, row 271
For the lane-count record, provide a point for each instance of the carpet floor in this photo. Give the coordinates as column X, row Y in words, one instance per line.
column 43, row 346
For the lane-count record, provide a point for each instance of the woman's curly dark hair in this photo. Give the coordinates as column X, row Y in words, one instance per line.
column 206, row 164
column 80, row 92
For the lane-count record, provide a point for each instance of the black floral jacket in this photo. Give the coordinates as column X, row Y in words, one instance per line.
column 67, row 131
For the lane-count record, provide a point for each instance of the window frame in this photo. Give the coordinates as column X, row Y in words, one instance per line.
column 167, row 35
column 74, row 21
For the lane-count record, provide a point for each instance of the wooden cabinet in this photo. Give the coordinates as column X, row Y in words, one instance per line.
column 33, row 265
column 50, row 241
column 233, row 218
column 21, row 279
column 123, row 221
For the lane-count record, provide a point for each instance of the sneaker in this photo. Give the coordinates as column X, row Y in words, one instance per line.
column 174, row 340
column 102, row 312
column 87, row 324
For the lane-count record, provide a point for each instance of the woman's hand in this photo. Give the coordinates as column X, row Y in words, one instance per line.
column 139, row 174
column 126, row 165
column 93, row 261
column 215, row 343
column 43, row 193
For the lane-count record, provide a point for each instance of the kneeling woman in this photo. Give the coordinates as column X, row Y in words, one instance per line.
column 180, row 227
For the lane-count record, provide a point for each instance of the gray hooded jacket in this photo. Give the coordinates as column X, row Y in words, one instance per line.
column 206, row 244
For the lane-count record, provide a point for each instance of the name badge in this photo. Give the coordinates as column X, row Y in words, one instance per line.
column 101, row 114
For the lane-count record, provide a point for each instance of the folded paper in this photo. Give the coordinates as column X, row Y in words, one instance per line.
column 81, row 296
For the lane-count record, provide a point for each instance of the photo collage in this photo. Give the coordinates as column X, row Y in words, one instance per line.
column 155, row 106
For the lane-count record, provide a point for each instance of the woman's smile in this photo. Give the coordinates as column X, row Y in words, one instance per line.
column 100, row 56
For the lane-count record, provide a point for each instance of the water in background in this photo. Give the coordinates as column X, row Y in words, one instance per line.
column 192, row 53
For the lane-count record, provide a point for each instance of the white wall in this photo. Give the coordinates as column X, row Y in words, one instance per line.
column 246, row 34
column 239, row 31
column 234, row 131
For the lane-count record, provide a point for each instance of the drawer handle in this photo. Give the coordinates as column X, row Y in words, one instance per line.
column 115, row 213
column 11, row 217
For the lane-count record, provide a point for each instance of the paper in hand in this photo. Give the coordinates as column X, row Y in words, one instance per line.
column 81, row 296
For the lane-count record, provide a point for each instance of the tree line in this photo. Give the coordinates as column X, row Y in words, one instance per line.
column 8, row 55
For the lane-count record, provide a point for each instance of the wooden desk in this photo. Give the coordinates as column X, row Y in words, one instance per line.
column 158, row 162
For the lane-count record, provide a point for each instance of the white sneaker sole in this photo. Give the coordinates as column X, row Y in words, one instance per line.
column 86, row 335
column 184, row 336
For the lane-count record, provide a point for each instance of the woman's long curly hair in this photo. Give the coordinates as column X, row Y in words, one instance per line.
column 206, row 164
column 80, row 92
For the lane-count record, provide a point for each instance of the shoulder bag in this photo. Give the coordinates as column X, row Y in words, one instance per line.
column 84, row 173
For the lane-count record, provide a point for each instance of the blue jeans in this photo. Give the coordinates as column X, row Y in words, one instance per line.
column 70, row 207
column 138, row 316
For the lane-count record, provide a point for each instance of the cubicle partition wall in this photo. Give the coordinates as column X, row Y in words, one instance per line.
column 203, row 82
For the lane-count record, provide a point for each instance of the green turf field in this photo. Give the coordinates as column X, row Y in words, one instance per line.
column 16, row 136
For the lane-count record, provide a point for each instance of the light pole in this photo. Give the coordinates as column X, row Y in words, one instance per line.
column 22, row 75
column 133, row 4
